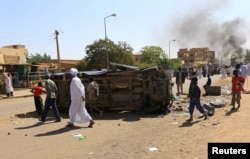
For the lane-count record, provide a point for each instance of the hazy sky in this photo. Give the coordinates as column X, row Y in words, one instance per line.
column 193, row 23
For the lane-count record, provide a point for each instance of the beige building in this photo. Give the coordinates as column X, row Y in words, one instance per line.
column 53, row 65
column 13, row 54
column 137, row 56
column 196, row 56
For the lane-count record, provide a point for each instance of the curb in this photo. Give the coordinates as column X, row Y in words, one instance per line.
column 22, row 96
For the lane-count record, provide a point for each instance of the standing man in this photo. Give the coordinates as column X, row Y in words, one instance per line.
column 93, row 93
column 77, row 111
column 244, row 72
column 50, row 101
column 223, row 72
column 199, row 72
column 237, row 87
column 180, row 80
column 208, row 84
column 8, row 85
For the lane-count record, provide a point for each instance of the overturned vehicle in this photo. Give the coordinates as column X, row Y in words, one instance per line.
column 126, row 88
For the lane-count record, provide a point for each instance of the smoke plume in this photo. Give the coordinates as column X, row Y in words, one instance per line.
column 201, row 29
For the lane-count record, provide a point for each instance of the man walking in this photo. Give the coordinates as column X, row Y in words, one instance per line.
column 50, row 101
column 77, row 111
column 194, row 97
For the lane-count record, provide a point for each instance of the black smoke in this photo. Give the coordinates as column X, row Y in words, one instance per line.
column 200, row 28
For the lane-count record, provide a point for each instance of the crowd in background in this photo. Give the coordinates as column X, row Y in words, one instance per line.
column 204, row 70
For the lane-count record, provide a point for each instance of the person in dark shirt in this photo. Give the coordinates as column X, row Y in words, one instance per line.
column 208, row 84
column 194, row 96
column 50, row 101
column 180, row 80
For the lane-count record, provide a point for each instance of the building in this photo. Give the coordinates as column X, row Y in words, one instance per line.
column 13, row 59
column 13, row 54
column 196, row 56
column 137, row 56
column 52, row 66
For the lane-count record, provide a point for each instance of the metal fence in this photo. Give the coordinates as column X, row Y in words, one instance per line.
column 21, row 80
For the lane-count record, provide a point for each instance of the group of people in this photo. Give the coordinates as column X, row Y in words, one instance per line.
column 240, row 74
column 77, row 111
column 79, row 114
column 180, row 77
column 200, row 71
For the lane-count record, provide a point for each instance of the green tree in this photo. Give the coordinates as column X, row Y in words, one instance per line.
column 37, row 58
column 142, row 65
column 154, row 56
column 175, row 63
column 122, row 54
column 96, row 54
column 247, row 57
column 164, row 62
column 81, row 65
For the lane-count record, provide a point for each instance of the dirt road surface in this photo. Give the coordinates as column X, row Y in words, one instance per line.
column 120, row 135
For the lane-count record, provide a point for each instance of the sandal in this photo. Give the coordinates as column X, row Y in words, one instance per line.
column 91, row 124
column 70, row 125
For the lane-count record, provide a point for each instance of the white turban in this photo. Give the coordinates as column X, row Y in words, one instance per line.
column 73, row 71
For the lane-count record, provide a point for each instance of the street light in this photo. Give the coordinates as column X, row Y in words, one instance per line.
column 106, row 38
column 169, row 48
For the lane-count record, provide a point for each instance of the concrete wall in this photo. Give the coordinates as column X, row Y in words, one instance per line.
column 13, row 54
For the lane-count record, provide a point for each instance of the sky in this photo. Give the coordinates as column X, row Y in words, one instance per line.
column 222, row 25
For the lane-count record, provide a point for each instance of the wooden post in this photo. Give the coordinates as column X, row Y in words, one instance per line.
column 58, row 52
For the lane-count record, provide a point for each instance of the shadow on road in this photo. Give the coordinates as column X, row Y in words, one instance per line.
column 188, row 124
column 59, row 131
column 231, row 112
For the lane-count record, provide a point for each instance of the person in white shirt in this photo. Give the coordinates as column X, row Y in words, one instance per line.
column 8, row 85
column 93, row 93
column 244, row 72
column 223, row 73
column 200, row 71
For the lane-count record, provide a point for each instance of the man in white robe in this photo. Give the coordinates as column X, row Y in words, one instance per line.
column 8, row 85
column 77, row 111
column 223, row 73
column 244, row 72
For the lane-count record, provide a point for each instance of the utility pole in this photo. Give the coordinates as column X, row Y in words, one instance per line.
column 58, row 52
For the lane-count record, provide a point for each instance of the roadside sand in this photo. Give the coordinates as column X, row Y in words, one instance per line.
column 122, row 135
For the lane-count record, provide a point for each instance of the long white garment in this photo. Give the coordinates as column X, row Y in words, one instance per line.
column 200, row 71
column 223, row 73
column 77, row 110
column 8, row 85
column 244, row 71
